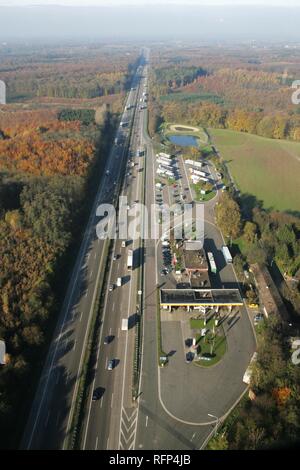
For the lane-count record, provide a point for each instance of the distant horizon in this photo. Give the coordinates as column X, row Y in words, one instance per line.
column 117, row 3
column 208, row 23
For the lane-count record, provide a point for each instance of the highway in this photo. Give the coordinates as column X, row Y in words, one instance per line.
column 115, row 421
column 111, row 423
column 50, row 418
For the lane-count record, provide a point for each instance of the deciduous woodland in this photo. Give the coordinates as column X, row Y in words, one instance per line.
column 237, row 88
column 52, row 156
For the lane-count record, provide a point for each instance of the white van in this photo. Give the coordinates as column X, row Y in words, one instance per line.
column 119, row 281
column 123, row 244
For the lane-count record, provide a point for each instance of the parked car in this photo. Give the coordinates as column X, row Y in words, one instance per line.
column 258, row 318
column 189, row 357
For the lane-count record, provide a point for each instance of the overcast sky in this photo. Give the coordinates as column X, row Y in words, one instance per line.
column 147, row 2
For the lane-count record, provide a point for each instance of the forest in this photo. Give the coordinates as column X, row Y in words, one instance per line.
column 51, row 160
column 230, row 90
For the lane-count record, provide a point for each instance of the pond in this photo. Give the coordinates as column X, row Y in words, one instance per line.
column 183, row 140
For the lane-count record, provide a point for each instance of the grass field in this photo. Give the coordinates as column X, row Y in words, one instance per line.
column 266, row 168
column 204, row 346
column 192, row 97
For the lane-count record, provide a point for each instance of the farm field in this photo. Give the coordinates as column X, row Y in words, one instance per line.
column 266, row 168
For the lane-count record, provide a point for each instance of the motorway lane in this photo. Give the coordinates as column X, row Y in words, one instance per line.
column 50, row 416
column 103, row 419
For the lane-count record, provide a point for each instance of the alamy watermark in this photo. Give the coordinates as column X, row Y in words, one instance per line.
column 296, row 93
column 2, row 92
column 136, row 221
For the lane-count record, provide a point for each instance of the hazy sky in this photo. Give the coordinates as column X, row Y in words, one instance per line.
column 147, row 2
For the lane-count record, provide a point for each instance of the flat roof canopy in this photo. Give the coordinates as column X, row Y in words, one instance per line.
column 200, row 297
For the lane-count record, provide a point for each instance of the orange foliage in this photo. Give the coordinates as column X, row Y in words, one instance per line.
column 281, row 395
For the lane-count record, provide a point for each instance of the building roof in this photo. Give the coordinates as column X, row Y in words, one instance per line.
column 198, row 297
column 191, row 245
column 2, row 352
column 195, row 260
column 268, row 292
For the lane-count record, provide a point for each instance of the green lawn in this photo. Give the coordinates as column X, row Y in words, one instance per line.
column 204, row 343
column 266, row 168
column 202, row 197
column 192, row 97
column 200, row 133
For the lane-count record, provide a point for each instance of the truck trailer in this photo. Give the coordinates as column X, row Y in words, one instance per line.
column 227, row 254
column 130, row 259
column 212, row 263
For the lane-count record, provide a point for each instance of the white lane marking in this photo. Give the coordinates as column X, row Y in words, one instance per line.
column 81, row 316
column 110, row 330
column 113, row 306
column 112, row 400
column 96, row 446
column 107, row 443
column 101, row 402
column 74, row 345
column 106, row 361
column 147, row 421
column 86, row 294
column 193, row 435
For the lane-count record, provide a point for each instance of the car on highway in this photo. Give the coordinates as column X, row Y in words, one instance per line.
column 108, row 339
column 111, row 364
column 115, row 257
column 98, row 393
column 111, row 287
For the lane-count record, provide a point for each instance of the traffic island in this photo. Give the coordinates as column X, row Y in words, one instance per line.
column 210, row 341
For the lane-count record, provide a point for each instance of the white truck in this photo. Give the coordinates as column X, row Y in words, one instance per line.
column 119, row 282
column 193, row 163
column 227, row 254
column 124, row 324
column 130, row 259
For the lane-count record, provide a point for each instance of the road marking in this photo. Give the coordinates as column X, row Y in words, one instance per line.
column 107, row 443
column 101, row 402
column 106, row 361
column 112, row 400
column 193, row 435
column 118, row 332
column 147, row 421
column 110, row 330
column 74, row 345
column 81, row 316
column 96, row 446
column 86, row 293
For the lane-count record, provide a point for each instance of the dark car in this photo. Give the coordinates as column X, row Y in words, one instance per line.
column 189, row 357
column 108, row 339
column 98, row 393
column 111, row 364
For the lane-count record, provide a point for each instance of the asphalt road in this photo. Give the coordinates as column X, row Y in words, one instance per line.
column 50, row 417
column 113, row 421
column 107, row 421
